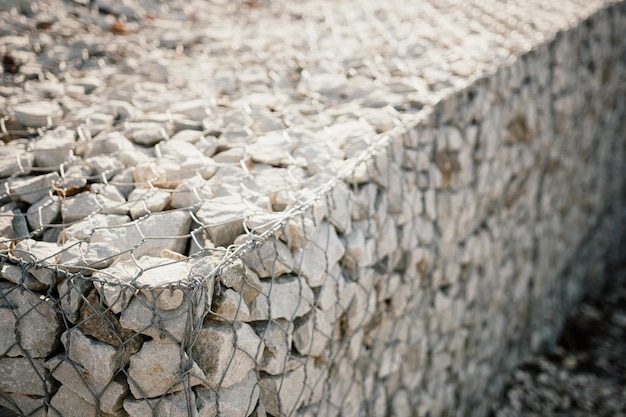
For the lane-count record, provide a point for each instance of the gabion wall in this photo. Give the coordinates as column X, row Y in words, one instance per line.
column 409, row 283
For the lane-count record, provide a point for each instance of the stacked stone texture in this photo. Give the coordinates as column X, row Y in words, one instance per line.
column 224, row 259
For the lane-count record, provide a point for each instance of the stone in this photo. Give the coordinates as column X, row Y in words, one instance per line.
column 311, row 336
column 226, row 352
column 238, row 400
column 26, row 376
column 191, row 192
column 271, row 259
column 55, row 148
column 277, row 337
column 38, row 114
column 72, row 292
column 286, row 298
column 147, row 133
column 44, row 212
column 319, row 254
column 108, row 143
column 283, row 394
column 78, row 256
column 158, row 280
column 66, row 403
column 229, row 306
column 338, row 203
column 17, row 275
column 223, row 218
column 31, row 189
column 113, row 284
column 197, row 109
column 43, row 254
column 23, row 404
column 142, row 201
column 174, row 405
column 272, row 149
column 169, row 326
column 83, row 229
column 99, row 360
column 103, row 166
column 29, row 324
column 6, row 225
column 160, row 368
column 15, row 159
column 241, row 279
column 88, row 203
column 99, row 322
column 149, row 235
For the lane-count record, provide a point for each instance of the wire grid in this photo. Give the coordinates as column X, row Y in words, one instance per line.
column 143, row 320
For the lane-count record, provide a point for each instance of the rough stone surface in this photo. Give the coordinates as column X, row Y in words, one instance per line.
column 287, row 298
column 175, row 405
column 156, row 370
column 238, row 400
column 24, row 376
column 226, row 353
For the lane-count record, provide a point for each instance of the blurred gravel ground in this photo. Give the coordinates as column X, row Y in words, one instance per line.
column 585, row 375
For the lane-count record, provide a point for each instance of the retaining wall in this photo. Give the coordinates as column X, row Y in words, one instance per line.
column 410, row 283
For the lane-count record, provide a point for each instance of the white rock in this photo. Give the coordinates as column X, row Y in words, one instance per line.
column 311, row 336
column 43, row 212
column 319, row 254
column 223, row 218
column 174, row 405
column 159, row 368
column 29, row 319
column 238, row 400
column 83, row 229
column 285, row 298
column 109, row 143
column 6, row 225
column 17, row 275
column 55, row 148
column 86, row 203
column 43, row 254
column 226, row 352
column 277, row 336
column 24, row 376
column 149, row 235
column 104, row 166
column 15, row 159
column 242, row 280
column 80, row 256
column 142, row 201
column 283, row 394
column 32, row 189
column 38, row 114
column 147, row 133
column 191, row 192
column 271, row 149
column 230, row 306
column 72, row 292
column 271, row 259
column 194, row 109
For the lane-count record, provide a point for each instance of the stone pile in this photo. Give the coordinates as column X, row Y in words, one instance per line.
column 383, row 225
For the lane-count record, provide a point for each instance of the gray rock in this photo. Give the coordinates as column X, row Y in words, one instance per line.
column 24, row 376
column 43, row 254
column 159, row 368
column 108, row 143
column 142, row 201
column 241, row 279
column 6, row 225
column 197, row 109
column 17, row 275
column 29, row 318
column 285, row 298
column 113, row 284
column 66, row 403
column 320, row 253
column 311, row 336
column 23, row 404
column 223, row 218
column 167, row 326
column 15, row 159
column 174, row 405
column 104, row 166
column 72, row 293
column 54, row 148
column 147, row 133
column 148, row 236
column 277, row 336
column 271, row 259
column 87, row 203
column 31, row 189
column 229, row 306
column 43, row 212
column 83, row 229
column 226, row 352
column 191, row 192
column 159, row 273
column 80, row 256
column 238, row 400
column 283, row 394
column 38, row 114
